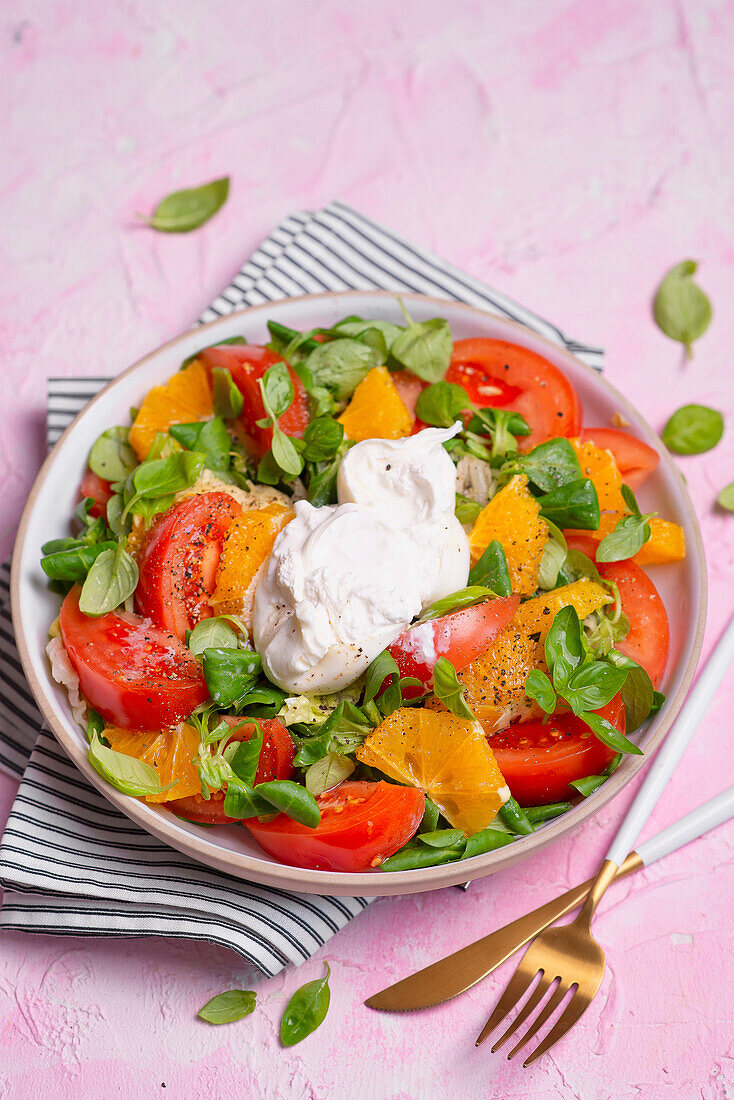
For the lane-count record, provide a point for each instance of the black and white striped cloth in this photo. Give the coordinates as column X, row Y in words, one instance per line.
column 69, row 862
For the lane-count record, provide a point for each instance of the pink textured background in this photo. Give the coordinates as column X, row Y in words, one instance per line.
column 567, row 153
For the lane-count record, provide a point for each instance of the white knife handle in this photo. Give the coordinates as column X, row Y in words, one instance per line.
column 675, row 744
column 714, row 812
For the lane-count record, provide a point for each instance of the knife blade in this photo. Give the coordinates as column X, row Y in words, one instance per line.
column 458, row 972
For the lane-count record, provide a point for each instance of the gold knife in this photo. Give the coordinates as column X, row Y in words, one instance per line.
column 456, row 973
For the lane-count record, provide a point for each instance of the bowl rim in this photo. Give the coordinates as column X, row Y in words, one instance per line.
column 282, row 876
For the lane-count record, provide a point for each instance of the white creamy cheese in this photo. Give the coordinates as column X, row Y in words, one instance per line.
column 343, row 581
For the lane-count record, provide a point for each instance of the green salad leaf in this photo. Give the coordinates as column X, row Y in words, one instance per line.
column 227, row 1007
column 182, row 211
column 680, row 308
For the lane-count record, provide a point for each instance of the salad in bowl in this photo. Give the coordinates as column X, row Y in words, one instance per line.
column 371, row 593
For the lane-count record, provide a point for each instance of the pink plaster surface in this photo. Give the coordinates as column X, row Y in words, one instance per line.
column 567, row 153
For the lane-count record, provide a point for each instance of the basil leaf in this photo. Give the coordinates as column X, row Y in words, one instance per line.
column 630, row 499
column 431, row 815
column 449, row 690
column 214, row 633
column 124, row 773
column 502, row 426
column 564, row 647
column 536, row 815
column 466, row 511
column 291, row 799
column 241, row 801
column 693, row 430
column 725, row 499
column 680, row 308
column 424, row 349
column 74, row 563
column 357, row 327
column 609, row 734
column 227, row 1007
column 465, row 597
column 552, row 559
column 306, row 1010
column 277, row 390
column 657, row 701
column 312, row 749
column 539, row 688
column 283, row 337
column 323, row 437
column 442, row 404
column 581, row 565
column 330, row 770
column 112, row 578
column 491, row 570
column 164, row 477
column 285, row 454
column 638, row 693
column 629, row 536
column 95, row 727
column 112, row 457
column 592, row 686
column 209, row 437
column 383, row 666
column 588, row 784
column 341, row 365
column 549, row 466
column 414, row 859
column 575, row 504
column 230, row 674
column 486, row 840
column 182, row 211
column 227, row 398
column 220, row 343
column 442, row 838
column 246, row 757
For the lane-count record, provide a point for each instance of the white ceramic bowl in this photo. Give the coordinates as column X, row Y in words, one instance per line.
column 231, row 849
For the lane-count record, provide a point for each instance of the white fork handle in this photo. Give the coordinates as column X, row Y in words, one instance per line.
column 675, row 744
column 714, row 812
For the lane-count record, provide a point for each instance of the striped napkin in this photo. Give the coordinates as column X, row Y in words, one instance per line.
column 70, row 863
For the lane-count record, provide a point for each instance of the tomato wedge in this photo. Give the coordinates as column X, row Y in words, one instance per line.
column 247, row 364
column 460, row 637
column 178, row 561
column 99, row 490
column 508, row 376
column 276, row 762
column 135, row 675
column 540, row 759
column 649, row 634
column 361, row 824
column 635, row 459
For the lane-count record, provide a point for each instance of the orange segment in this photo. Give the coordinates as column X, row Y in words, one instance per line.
column 667, row 542
column 446, row 757
column 535, row 616
column 513, row 517
column 247, row 546
column 185, row 398
column 601, row 468
column 376, row 410
column 170, row 752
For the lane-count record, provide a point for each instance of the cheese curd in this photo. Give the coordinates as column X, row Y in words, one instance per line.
column 343, row 581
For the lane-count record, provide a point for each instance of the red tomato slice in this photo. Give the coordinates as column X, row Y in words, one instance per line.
column 635, row 459
column 539, row 759
column 526, row 382
column 276, row 762
column 247, row 364
column 361, row 824
column 135, row 675
column 178, row 561
column 99, row 490
column 649, row 634
column 460, row 637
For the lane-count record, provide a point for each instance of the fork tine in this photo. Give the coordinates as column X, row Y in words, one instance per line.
column 516, row 986
column 545, row 1013
column 530, row 1005
column 574, row 1011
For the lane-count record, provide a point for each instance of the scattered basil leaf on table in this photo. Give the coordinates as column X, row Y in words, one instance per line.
column 227, row 398
column 491, row 570
column 227, row 1007
column 182, row 211
column 424, row 348
column 442, row 404
column 680, row 308
column 124, row 773
column 112, row 578
column 629, row 536
column 111, row 457
column 448, row 689
column 306, row 1010
column 693, row 430
column 725, row 498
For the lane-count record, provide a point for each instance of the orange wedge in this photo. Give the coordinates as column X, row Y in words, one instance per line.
column 170, row 752
column 376, row 410
column 535, row 616
column 246, row 548
column 513, row 517
column 446, row 757
column 601, row 468
column 185, row 398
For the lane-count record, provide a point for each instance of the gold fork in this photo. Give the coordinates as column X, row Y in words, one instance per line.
column 570, row 955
